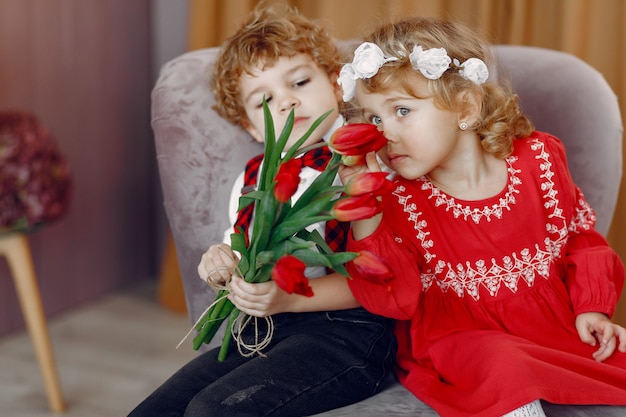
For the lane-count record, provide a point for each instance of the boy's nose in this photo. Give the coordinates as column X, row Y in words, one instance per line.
column 288, row 103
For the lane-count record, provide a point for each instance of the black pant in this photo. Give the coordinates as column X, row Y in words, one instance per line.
column 316, row 362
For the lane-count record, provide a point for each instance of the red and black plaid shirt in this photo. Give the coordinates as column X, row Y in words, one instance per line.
column 335, row 232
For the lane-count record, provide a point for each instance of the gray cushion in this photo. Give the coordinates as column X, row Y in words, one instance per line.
column 199, row 155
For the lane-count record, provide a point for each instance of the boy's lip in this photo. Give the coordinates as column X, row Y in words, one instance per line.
column 299, row 120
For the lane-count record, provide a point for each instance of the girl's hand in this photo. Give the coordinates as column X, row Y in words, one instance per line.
column 217, row 265
column 258, row 299
column 362, row 228
column 596, row 327
column 371, row 165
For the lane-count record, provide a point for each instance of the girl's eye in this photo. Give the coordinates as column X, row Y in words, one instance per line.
column 375, row 120
column 402, row 111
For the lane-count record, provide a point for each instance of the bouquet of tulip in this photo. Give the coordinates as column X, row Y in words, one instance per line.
column 280, row 247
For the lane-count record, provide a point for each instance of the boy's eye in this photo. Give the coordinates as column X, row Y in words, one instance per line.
column 260, row 103
column 402, row 111
column 302, row 83
column 375, row 120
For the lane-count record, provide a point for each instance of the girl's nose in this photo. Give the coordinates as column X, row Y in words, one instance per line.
column 389, row 135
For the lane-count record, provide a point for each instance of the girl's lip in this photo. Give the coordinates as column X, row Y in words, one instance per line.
column 394, row 159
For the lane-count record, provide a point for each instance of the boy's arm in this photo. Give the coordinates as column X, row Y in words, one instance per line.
column 218, row 261
column 233, row 205
column 331, row 292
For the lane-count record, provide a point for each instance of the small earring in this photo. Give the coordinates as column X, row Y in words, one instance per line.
column 463, row 126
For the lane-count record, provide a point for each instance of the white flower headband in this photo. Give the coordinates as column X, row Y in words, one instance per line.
column 432, row 63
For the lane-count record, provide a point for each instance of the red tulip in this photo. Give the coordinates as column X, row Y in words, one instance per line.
column 368, row 183
column 287, row 180
column 371, row 267
column 352, row 160
column 357, row 139
column 356, row 208
column 289, row 276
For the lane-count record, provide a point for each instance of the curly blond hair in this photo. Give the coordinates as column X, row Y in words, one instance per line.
column 501, row 119
column 269, row 33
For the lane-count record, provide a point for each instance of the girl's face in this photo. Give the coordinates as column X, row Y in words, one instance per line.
column 292, row 82
column 421, row 137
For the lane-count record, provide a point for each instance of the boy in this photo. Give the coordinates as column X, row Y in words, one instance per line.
column 333, row 354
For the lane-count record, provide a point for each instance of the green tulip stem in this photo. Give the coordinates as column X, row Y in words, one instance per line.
column 228, row 335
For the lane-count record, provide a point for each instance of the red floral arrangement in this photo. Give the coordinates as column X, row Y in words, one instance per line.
column 280, row 247
column 35, row 180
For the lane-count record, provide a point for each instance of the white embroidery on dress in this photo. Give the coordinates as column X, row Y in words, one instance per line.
column 442, row 199
column 492, row 274
column 419, row 225
column 584, row 217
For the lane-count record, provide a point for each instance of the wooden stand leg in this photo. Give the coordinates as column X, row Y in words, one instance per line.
column 171, row 292
column 17, row 251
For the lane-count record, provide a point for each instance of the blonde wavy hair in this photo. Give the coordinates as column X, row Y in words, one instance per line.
column 269, row 33
column 500, row 120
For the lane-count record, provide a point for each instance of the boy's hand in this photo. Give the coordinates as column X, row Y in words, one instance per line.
column 217, row 265
column 596, row 327
column 258, row 299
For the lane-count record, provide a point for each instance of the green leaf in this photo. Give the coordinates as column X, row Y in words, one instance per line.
column 238, row 242
column 246, row 199
column 263, row 223
column 341, row 269
column 264, row 273
column 268, row 170
column 322, row 184
column 321, row 204
column 273, row 159
column 340, row 258
column 292, row 244
column 296, row 147
column 315, row 237
column 291, row 227
column 283, row 248
column 283, row 211
column 313, row 257
column 284, row 135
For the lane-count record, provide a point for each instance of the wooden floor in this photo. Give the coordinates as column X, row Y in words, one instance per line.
column 110, row 354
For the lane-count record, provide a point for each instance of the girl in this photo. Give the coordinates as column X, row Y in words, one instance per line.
column 502, row 287
column 325, row 350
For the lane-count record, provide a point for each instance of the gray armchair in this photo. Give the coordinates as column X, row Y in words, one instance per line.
column 199, row 155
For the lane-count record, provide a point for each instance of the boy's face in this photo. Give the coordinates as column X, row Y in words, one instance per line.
column 292, row 82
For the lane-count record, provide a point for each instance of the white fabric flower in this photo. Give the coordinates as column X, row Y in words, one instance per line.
column 347, row 81
column 475, row 70
column 432, row 63
column 368, row 58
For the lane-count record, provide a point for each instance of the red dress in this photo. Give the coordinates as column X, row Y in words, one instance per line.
column 486, row 292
